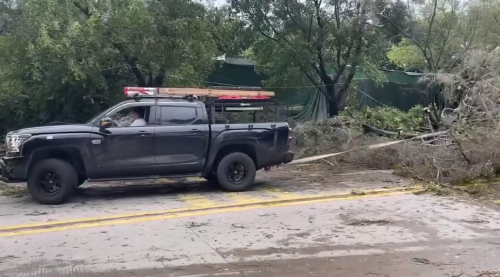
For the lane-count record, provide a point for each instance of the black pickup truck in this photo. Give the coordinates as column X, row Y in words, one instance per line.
column 179, row 139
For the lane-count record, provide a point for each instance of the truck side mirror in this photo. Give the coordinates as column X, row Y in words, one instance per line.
column 105, row 124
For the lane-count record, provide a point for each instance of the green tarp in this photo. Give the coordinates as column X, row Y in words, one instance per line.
column 400, row 90
column 245, row 75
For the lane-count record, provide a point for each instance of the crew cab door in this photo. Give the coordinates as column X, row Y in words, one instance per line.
column 124, row 151
column 181, row 138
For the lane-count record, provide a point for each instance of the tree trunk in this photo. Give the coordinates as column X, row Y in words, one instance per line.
column 160, row 78
column 157, row 79
column 333, row 107
column 342, row 101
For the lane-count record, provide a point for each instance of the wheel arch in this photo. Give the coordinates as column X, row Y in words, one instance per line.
column 245, row 148
column 68, row 154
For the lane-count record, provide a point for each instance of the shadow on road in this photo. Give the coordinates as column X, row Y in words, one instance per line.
column 118, row 191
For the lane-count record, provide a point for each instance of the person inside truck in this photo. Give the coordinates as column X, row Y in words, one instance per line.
column 138, row 116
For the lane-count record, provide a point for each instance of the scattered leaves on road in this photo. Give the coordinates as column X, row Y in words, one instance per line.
column 12, row 191
column 36, row 213
column 421, row 261
column 366, row 222
column 357, row 192
column 193, row 224
column 239, row 226
column 475, row 220
column 492, row 273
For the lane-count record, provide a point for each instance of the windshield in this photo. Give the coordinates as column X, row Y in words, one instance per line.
column 94, row 119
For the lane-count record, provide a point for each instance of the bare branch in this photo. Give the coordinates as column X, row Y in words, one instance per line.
column 408, row 7
column 266, row 35
column 441, row 50
column 310, row 30
column 84, row 10
column 316, row 69
column 337, row 22
column 357, row 56
column 317, row 4
column 429, row 31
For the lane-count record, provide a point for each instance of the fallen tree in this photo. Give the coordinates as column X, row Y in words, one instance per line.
column 466, row 150
column 471, row 149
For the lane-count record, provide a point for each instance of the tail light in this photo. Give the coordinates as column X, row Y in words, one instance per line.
column 289, row 135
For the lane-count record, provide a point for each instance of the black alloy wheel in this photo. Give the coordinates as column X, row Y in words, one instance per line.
column 50, row 182
column 236, row 172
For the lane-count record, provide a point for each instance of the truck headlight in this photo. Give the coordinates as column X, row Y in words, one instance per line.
column 14, row 143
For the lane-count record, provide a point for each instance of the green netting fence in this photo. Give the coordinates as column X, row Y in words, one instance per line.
column 400, row 89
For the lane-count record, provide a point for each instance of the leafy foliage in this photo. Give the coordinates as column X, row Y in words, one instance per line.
column 65, row 60
column 392, row 119
column 406, row 55
column 394, row 16
column 232, row 35
column 331, row 134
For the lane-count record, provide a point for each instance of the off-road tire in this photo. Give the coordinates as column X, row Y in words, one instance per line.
column 67, row 175
column 223, row 174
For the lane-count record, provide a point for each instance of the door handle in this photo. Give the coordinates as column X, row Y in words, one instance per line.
column 143, row 133
column 195, row 131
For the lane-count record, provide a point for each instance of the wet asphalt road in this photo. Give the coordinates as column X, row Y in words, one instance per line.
column 298, row 225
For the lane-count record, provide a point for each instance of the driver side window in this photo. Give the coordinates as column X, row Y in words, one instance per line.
column 135, row 116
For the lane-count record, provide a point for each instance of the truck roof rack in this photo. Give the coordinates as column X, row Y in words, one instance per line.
column 236, row 88
column 228, row 93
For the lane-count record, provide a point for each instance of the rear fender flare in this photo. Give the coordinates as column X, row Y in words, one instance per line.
column 247, row 146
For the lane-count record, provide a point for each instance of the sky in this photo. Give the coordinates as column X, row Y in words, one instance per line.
column 216, row 3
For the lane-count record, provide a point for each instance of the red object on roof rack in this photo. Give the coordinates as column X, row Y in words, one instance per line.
column 259, row 97
column 132, row 91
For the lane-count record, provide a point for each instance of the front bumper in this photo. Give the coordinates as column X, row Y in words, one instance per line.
column 13, row 169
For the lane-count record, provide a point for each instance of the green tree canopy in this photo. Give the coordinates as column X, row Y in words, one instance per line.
column 311, row 43
column 66, row 59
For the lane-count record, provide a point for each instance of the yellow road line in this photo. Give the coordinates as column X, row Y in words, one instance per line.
column 197, row 201
column 242, row 198
column 182, row 210
column 190, row 214
column 278, row 193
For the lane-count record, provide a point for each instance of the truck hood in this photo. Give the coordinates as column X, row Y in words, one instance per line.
column 70, row 128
